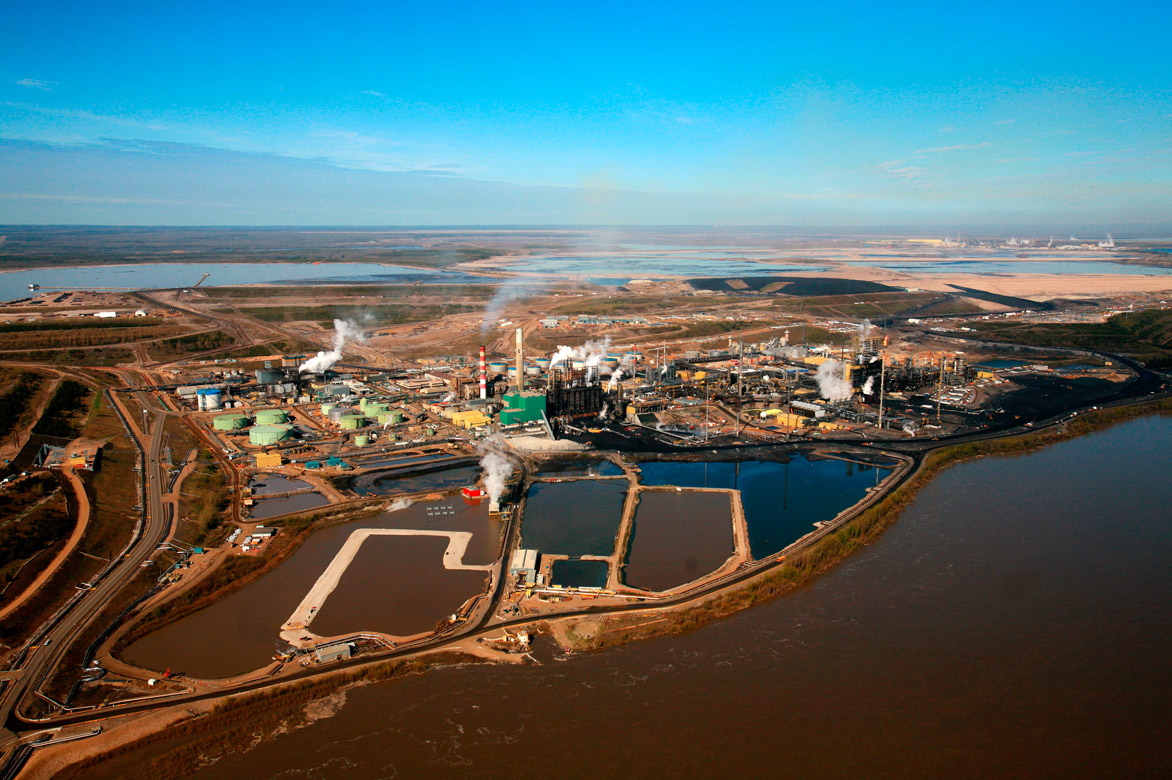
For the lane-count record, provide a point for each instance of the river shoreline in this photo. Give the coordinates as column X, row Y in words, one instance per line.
column 832, row 550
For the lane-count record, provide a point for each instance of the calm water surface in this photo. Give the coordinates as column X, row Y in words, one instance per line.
column 782, row 501
column 677, row 537
column 1013, row 623
column 573, row 518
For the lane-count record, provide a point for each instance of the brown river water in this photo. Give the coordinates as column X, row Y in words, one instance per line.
column 1013, row 623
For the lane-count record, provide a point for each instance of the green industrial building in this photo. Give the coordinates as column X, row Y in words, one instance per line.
column 524, row 407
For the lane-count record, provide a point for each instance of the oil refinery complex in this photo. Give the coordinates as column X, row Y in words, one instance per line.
column 378, row 506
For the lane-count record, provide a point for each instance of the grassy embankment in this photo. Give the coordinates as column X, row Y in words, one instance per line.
column 17, row 399
column 1145, row 336
column 868, row 525
column 35, row 519
column 177, row 347
column 111, row 491
column 369, row 315
column 93, row 356
column 875, row 305
column 83, row 333
column 355, row 294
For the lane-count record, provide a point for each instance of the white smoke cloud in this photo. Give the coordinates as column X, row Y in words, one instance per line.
column 344, row 330
column 497, row 468
column 591, row 353
column 869, row 386
column 509, row 291
column 614, row 380
column 399, row 503
column 832, row 384
column 605, row 409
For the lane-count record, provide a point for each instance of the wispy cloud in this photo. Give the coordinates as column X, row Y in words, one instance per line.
column 373, row 93
column 899, row 169
column 947, row 129
column 1006, row 121
column 44, row 86
column 953, row 148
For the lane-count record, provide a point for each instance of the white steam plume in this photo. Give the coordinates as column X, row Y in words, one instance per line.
column 504, row 293
column 497, row 468
column 591, row 353
column 869, row 386
column 832, row 385
column 605, row 409
column 343, row 330
column 399, row 503
column 614, row 380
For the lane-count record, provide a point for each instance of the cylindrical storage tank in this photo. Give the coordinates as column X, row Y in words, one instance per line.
column 578, row 365
column 375, row 408
column 264, row 435
column 230, row 422
column 362, row 404
column 338, row 412
column 352, row 422
column 325, row 409
column 542, row 363
column 390, row 416
column 497, row 367
column 360, row 440
column 200, row 398
column 512, row 373
column 631, row 357
column 211, row 402
column 271, row 417
column 609, row 363
column 532, row 370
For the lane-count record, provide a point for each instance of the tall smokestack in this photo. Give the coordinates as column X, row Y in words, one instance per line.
column 483, row 375
column 520, row 360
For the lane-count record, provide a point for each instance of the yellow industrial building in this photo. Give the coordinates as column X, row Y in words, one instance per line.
column 473, row 418
column 268, row 460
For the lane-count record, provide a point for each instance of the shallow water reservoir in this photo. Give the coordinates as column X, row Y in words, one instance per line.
column 397, row 585
column 678, row 536
column 579, row 467
column 573, row 518
column 273, row 507
column 782, row 501
column 267, row 484
column 242, row 631
column 386, row 483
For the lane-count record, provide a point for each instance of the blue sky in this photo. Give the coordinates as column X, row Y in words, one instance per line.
column 546, row 113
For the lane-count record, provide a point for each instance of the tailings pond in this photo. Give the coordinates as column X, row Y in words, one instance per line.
column 274, row 507
column 573, row 518
column 579, row 467
column 782, row 501
column 1012, row 624
column 579, row 574
column 387, row 483
column 678, row 536
column 241, row 632
column 269, row 484
column 396, row 585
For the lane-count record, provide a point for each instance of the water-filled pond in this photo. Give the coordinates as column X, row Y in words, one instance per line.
column 782, row 501
column 677, row 537
column 573, row 518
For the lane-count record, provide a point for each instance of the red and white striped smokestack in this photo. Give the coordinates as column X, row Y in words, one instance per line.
column 483, row 376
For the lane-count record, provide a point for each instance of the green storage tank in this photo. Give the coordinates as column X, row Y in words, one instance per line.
column 325, row 409
column 230, row 422
column 390, row 416
column 352, row 422
column 272, row 417
column 264, row 435
column 361, row 440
